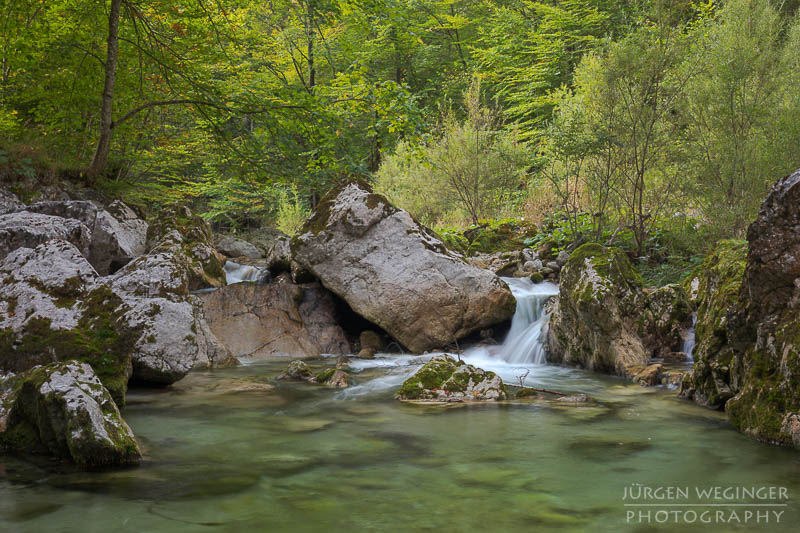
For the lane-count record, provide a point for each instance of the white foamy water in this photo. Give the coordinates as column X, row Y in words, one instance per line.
column 688, row 344
column 236, row 273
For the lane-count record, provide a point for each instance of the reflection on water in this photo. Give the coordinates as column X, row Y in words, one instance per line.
column 232, row 451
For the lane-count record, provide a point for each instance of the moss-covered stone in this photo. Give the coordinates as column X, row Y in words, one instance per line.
column 594, row 324
column 718, row 286
column 446, row 379
column 102, row 338
column 63, row 409
column 665, row 314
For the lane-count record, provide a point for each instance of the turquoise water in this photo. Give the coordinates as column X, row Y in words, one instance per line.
column 227, row 453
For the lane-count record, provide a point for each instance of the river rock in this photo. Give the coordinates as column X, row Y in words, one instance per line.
column 371, row 340
column 297, row 371
column 764, row 329
column 648, row 376
column 444, row 379
column 53, row 308
column 665, row 316
column 277, row 320
column 395, row 272
column 593, row 323
column 29, row 230
column 63, row 409
column 233, row 247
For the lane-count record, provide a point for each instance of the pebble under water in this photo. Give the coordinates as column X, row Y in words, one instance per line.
column 227, row 452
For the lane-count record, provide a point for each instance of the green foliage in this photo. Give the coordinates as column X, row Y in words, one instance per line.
column 292, row 212
column 473, row 169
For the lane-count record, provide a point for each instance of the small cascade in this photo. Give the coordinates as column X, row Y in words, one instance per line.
column 236, row 273
column 524, row 343
column 688, row 343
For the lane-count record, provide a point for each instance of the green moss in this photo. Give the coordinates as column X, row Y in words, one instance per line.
column 431, row 376
column 537, row 277
column 102, row 339
column 325, row 375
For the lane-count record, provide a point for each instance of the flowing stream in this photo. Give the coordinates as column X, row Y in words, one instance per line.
column 236, row 273
column 231, row 450
column 688, row 344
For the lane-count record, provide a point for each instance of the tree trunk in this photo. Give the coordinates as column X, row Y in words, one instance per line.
column 100, row 158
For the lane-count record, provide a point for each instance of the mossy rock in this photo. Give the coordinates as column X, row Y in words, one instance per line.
column 63, row 409
column 493, row 236
column 444, row 378
column 102, row 338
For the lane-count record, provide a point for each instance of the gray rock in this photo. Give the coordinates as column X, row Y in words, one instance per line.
column 297, row 371
column 29, row 230
column 553, row 266
column 233, row 247
column 52, row 308
column 562, row 258
column 117, row 235
column 8, row 202
column 594, row 321
column 395, row 272
column 273, row 321
column 63, row 409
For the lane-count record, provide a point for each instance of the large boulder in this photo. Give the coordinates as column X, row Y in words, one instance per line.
column 444, row 379
column 63, row 409
column 52, row 308
column 277, row 320
column 594, row 321
column 29, row 230
column 173, row 336
column 117, row 235
column 395, row 272
column 719, row 281
column 764, row 330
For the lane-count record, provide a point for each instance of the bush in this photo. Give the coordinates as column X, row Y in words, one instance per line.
column 292, row 211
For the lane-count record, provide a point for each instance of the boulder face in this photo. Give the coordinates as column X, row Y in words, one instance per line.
column 115, row 236
column 444, row 379
column 29, row 230
column 748, row 324
column 8, row 201
column 395, row 272
column 63, row 409
column 52, row 308
column 718, row 280
column 764, row 330
column 666, row 314
column 277, row 320
column 594, row 321
column 233, row 247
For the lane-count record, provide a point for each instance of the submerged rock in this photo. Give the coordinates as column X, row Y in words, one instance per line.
column 276, row 320
column 593, row 324
column 297, row 371
column 395, row 272
column 444, row 379
column 63, row 409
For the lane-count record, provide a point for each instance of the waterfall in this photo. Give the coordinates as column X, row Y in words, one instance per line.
column 688, row 343
column 524, row 343
column 236, row 273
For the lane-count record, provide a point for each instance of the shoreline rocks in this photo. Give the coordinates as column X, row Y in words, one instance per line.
column 63, row 409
